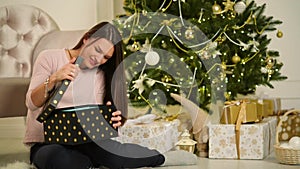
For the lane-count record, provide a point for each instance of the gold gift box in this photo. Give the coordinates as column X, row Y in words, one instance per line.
column 260, row 108
column 230, row 113
column 269, row 111
column 273, row 106
column 267, row 107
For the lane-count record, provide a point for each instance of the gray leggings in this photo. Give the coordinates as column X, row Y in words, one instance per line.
column 108, row 153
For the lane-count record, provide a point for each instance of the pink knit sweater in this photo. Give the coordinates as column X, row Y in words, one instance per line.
column 87, row 88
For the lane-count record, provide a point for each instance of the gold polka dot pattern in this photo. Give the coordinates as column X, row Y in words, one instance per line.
column 81, row 124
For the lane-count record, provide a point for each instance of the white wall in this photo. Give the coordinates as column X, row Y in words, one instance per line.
column 105, row 10
column 68, row 14
column 288, row 46
column 75, row 14
column 109, row 9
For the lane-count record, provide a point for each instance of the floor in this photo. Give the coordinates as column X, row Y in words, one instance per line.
column 12, row 150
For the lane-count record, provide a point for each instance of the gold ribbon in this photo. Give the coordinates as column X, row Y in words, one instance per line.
column 241, row 116
column 233, row 103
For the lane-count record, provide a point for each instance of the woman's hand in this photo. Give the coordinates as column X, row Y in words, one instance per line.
column 68, row 71
column 116, row 117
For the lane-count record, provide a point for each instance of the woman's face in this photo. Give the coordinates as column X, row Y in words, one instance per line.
column 96, row 52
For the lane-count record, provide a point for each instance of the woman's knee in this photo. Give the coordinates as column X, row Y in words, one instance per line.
column 58, row 157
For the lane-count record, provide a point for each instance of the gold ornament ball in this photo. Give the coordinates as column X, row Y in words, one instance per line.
column 216, row 8
column 279, row 34
column 270, row 62
column 135, row 46
column 236, row 59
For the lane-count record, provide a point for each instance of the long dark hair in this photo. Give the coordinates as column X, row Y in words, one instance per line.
column 114, row 92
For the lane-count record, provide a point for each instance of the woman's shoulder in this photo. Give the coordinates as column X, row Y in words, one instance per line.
column 52, row 51
column 51, row 54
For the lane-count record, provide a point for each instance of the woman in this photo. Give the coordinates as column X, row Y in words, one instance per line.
column 100, row 47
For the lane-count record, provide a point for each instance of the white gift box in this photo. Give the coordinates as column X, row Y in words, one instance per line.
column 272, row 121
column 159, row 135
column 254, row 141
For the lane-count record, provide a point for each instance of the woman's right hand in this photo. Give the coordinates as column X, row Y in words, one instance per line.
column 68, row 71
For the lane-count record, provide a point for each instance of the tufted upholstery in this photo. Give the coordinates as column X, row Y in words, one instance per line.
column 21, row 27
column 24, row 32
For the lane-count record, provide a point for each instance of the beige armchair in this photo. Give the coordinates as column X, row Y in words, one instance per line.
column 24, row 32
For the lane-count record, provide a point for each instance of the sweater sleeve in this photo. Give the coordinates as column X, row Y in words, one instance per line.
column 43, row 67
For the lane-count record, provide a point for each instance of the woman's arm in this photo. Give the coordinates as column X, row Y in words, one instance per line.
column 43, row 80
column 40, row 94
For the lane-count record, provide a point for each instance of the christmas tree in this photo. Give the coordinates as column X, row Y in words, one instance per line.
column 202, row 49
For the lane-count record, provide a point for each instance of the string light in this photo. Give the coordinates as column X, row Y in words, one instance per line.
column 177, row 38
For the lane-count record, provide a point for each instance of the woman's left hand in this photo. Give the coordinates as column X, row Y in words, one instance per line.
column 116, row 117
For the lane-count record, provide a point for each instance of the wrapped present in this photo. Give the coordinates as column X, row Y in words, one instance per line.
column 266, row 105
column 260, row 108
column 273, row 106
column 231, row 110
column 272, row 121
column 253, row 141
column 159, row 135
column 290, row 127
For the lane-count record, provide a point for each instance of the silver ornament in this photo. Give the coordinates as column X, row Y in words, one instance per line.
column 152, row 58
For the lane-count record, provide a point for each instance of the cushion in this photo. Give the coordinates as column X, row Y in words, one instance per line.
column 21, row 27
column 12, row 98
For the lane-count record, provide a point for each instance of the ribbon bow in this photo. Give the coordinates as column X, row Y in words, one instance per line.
column 240, row 118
